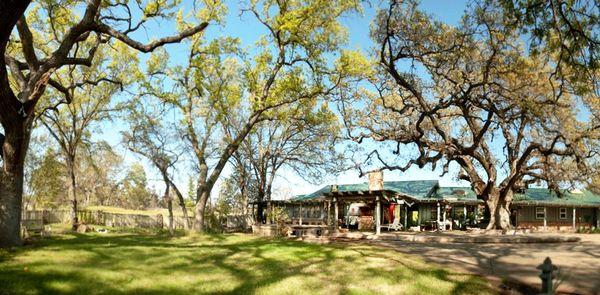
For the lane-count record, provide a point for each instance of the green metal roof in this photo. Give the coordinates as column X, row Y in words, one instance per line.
column 456, row 193
column 429, row 190
column 419, row 189
column 544, row 196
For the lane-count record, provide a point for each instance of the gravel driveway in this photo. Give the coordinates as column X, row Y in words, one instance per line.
column 579, row 262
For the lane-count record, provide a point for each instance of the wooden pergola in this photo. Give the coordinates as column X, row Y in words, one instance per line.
column 378, row 197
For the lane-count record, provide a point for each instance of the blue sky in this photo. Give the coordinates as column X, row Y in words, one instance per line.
column 245, row 28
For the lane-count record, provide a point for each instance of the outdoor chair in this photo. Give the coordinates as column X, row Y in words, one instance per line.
column 444, row 225
column 394, row 225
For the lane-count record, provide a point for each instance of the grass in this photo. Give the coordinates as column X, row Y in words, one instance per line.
column 125, row 262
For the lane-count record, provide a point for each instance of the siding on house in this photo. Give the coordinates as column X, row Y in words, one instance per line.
column 425, row 195
column 425, row 211
column 526, row 217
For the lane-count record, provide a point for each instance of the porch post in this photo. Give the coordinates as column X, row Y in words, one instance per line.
column 405, row 217
column 545, row 218
column 419, row 217
column 444, row 216
column 464, row 214
column 329, row 220
column 377, row 215
column 300, row 217
column 336, row 214
column 438, row 212
column 574, row 218
column 269, row 208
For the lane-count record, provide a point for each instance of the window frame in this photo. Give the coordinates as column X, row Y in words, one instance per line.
column 560, row 213
column 541, row 212
column 433, row 212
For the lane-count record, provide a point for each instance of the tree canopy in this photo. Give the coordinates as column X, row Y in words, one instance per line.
column 471, row 95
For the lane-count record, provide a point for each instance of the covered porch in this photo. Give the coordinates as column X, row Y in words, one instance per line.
column 367, row 211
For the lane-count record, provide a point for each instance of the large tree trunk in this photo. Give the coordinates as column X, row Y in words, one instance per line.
column 72, row 190
column 499, row 208
column 11, row 182
column 169, row 200
column 181, row 202
column 17, row 135
column 260, row 198
column 202, row 195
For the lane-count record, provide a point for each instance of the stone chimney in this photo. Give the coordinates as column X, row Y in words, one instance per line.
column 375, row 180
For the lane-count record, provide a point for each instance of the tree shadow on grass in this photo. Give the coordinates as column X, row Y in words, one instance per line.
column 216, row 264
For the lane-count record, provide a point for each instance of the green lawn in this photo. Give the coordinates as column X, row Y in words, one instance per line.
column 145, row 263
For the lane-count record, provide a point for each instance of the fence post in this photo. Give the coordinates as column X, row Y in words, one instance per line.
column 547, row 275
column 159, row 218
column 100, row 217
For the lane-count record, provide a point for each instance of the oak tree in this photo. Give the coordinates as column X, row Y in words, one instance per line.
column 300, row 138
column 31, row 56
column 289, row 65
column 151, row 137
column 471, row 95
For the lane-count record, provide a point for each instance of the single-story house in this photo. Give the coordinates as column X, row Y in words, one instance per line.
column 424, row 204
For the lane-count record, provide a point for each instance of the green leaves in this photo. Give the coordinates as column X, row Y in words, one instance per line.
column 352, row 63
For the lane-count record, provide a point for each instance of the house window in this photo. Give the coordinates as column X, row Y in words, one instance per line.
column 563, row 213
column 433, row 213
column 539, row 213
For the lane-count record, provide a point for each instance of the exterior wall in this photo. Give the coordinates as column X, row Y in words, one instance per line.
column 584, row 217
column 426, row 210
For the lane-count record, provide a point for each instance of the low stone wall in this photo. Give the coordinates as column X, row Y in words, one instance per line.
column 178, row 221
column 271, row 230
column 265, row 230
column 554, row 226
column 239, row 221
column 132, row 220
column 452, row 238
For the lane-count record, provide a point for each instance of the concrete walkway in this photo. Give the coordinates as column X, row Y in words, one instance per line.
column 579, row 262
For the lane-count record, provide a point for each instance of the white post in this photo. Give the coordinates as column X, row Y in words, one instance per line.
column 336, row 214
column 464, row 215
column 438, row 212
column 574, row 218
column 444, row 216
column 300, row 220
column 377, row 216
column 545, row 219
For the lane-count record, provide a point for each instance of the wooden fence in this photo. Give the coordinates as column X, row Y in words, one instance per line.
column 126, row 220
column 47, row 216
column 97, row 217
